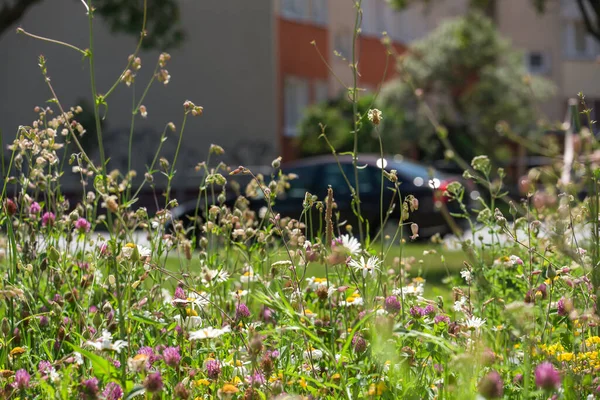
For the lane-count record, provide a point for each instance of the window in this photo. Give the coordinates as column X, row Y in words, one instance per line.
column 318, row 11
column 373, row 21
column 580, row 37
column 295, row 102
column 537, row 62
column 579, row 44
column 342, row 43
column 296, row 9
column 305, row 10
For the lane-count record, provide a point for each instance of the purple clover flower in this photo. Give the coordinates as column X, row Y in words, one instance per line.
column 392, row 305
column 48, row 218
column 22, row 379
column 213, row 369
column 89, row 389
column 35, row 208
column 153, row 382
column 560, row 306
column 171, row 356
column 242, row 311
column 491, row 386
column 82, row 225
column 257, row 379
column 44, row 367
column 546, row 376
column 359, row 343
column 152, row 357
column 112, row 391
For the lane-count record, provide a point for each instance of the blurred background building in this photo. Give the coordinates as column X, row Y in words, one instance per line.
column 254, row 67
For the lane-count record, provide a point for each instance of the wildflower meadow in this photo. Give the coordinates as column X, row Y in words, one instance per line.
column 102, row 299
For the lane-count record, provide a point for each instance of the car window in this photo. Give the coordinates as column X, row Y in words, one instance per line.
column 332, row 176
column 303, row 182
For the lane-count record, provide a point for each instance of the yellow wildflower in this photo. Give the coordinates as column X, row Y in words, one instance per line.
column 592, row 340
column 568, row 357
column 17, row 351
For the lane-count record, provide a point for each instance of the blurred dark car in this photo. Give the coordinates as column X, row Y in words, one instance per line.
column 316, row 174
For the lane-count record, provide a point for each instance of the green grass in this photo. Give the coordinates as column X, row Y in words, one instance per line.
column 432, row 267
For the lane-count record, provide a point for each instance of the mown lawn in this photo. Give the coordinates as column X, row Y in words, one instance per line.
column 431, row 262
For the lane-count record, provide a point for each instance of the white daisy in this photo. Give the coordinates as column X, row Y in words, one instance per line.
column 238, row 294
column 349, row 243
column 194, row 299
column 474, row 323
column 209, row 333
column 366, row 266
column 189, row 322
column 248, row 276
column 353, row 300
column 315, row 283
column 105, row 343
column 129, row 248
column 214, row 275
column 314, row 354
column 410, row 290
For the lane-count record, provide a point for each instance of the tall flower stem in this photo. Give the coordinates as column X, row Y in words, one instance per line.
column 355, row 118
column 97, row 101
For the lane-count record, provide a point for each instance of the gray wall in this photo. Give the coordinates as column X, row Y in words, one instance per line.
column 227, row 65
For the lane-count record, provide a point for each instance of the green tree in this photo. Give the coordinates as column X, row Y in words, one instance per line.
column 163, row 29
column 472, row 79
column 334, row 118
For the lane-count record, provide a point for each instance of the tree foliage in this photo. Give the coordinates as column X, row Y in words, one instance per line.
column 163, row 28
column 334, row 119
column 472, row 79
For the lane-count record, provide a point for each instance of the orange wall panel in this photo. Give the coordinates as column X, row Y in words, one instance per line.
column 298, row 57
column 372, row 55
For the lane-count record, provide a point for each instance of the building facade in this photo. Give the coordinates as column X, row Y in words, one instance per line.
column 251, row 65
column 226, row 64
column 554, row 43
column 557, row 46
column 310, row 29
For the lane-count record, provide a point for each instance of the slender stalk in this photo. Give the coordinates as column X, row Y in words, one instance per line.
column 97, row 101
column 172, row 172
column 135, row 53
column 354, row 96
column 45, row 39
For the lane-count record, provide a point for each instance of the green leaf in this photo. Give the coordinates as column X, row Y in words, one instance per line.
column 145, row 320
column 101, row 366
